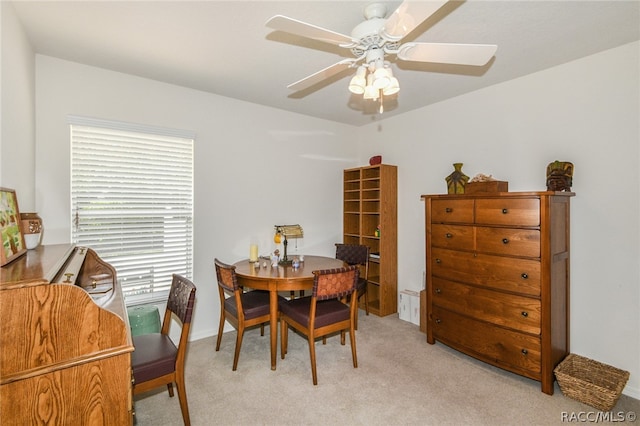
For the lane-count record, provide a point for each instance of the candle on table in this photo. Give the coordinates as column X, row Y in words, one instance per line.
column 253, row 253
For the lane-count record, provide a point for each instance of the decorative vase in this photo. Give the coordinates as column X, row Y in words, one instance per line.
column 456, row 180
column 31, row 229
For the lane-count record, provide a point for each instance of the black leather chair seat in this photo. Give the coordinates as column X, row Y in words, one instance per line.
column 254, row 303
column 154, row 356
column 327, row 311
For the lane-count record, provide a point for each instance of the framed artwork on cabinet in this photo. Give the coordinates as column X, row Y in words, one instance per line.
column 13, row 244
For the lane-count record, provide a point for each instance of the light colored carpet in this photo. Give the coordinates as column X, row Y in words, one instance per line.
column 400, row 380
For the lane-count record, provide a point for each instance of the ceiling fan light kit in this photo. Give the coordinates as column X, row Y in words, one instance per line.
column 378, row 39
column 374, row 77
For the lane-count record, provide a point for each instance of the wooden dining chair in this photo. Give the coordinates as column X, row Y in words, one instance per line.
column 243, row 309
column 357, row 254
column 156, row 360
column 323, row 312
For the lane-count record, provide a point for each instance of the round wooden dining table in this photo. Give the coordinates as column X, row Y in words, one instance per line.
column 281, row 278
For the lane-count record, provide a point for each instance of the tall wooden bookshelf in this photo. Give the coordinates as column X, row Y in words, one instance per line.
column 370, row 201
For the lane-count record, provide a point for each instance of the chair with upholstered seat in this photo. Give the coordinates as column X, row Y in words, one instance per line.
column 243, row 309
column 357, row 254
column 156, row 360
column 323, row 312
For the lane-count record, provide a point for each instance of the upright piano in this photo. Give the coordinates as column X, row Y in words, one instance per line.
column 65, row 341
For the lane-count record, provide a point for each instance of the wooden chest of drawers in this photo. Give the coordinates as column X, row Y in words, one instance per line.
column 498, row 278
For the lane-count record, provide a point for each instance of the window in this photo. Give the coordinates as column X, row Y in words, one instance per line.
column 132, row 202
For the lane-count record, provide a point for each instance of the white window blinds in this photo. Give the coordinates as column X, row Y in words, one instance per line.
column 132, row 202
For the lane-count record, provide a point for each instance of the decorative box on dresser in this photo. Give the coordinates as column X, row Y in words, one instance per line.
column 65, row 342
column 498, row 278
column 370, row 204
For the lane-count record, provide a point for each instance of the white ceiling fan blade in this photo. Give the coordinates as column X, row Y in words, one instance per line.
column 322, row 75
column 447, row 53
column 293, row 26
column 408, row 16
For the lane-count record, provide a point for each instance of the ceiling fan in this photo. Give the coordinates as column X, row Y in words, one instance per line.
column 378, row 39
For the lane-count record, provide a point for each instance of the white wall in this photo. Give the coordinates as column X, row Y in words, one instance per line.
column 254, row 166
column 586, row 112
column 17, row 140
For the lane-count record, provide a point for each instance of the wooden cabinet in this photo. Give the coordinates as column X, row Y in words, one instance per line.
column 498, row 278
column 370, row 218
column 65, row 339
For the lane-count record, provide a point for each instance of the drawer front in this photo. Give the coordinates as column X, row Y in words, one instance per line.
column 452, row 236
column 502, row 273
column 499, row 346
column 508, row 211
column 453, row 211
column 509, row 310
column 508, row 241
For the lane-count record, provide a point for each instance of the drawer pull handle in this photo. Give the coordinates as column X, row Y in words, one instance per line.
column 448, row 210
column 438, row 261
column 524, row 276
column 505, row 241
column 525, row 314
column 448, row 235
column 438, row 320
column 524, row 352
column 68, row 275
column 438, row 291
column 505, row 211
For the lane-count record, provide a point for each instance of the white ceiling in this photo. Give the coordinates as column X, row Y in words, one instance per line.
column 224, row 47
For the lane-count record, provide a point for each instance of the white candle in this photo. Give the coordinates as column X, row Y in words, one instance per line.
column 253, row 253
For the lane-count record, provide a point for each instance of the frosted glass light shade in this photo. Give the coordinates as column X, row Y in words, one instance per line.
column 358, row 81
column 393, row 87
column 381, row 78
column 371, row 92
column 357, row 85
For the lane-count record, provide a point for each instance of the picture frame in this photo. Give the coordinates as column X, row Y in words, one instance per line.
column 13, row 245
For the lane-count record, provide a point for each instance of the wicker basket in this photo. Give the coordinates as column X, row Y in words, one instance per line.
column 591, row 382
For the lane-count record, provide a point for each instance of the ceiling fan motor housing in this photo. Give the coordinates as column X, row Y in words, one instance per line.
column 367, row 33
